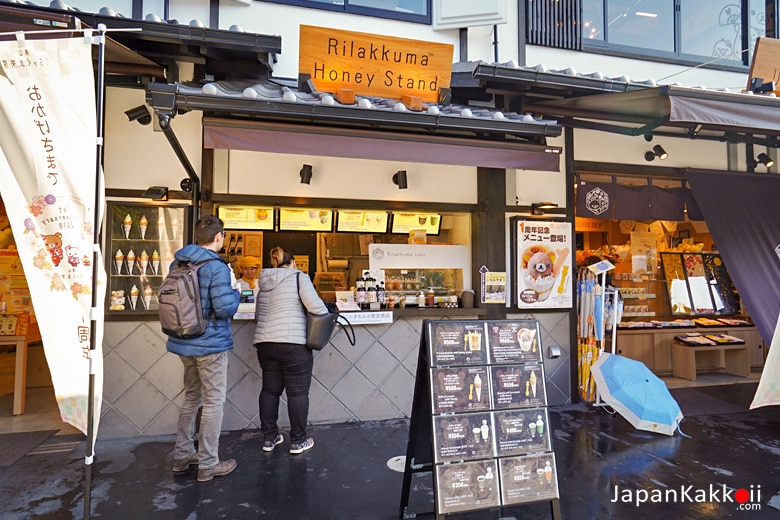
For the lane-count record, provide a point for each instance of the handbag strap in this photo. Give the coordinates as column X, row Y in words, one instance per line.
column 342, row 321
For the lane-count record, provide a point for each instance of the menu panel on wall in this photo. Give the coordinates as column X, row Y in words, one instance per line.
column 259, row 218
column 349, row 221
column 311, row 219
column 404, row 222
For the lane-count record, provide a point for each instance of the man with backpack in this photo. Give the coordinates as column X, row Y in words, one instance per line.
column 204, row 356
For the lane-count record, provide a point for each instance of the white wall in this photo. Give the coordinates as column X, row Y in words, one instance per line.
column 136, row 156
column 277, row 174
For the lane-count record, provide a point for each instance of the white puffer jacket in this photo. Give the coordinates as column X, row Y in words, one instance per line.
column 279, row 314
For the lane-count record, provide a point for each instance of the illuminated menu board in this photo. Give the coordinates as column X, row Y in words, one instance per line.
column 247, row 217
column 309, row 219
column 405, row 222
column 362, row 221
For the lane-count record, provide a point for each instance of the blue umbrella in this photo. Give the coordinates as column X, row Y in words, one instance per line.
column 636, row 393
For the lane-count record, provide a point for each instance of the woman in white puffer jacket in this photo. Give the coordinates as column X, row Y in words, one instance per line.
column 284, row 295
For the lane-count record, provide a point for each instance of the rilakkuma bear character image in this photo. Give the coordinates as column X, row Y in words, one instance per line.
column 54, row 245
column 540, row 268
column 72, row 252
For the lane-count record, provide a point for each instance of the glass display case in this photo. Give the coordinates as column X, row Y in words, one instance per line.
column 140, row 242
column 698, row 284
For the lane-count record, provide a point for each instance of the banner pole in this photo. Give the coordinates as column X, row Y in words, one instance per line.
column 98, row 213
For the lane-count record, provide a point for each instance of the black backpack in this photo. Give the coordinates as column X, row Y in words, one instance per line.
column 180, row 309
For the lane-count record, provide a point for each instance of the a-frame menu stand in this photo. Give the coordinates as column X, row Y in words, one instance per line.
column 479, row 421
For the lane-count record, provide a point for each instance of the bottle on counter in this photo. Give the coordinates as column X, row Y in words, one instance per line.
column 421, row 299
column 361, row 293
column 380, row 293
column 371, row 294
column 430, row 299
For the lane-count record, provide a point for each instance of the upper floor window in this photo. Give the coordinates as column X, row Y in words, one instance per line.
column 408, row 10
column 720, row 32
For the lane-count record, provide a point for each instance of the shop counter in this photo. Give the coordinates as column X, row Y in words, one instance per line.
column 21, row 344
column 433, row 313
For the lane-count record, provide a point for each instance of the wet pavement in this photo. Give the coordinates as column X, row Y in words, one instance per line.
column 606, row 469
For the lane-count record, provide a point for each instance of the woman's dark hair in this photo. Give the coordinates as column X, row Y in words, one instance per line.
column 280, row 257
column 206, row 228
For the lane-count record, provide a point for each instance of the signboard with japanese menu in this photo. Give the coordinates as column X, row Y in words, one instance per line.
column 544, row 264
column 361, row 221
column 293, row 219
column 480, row 402
column 247, row 217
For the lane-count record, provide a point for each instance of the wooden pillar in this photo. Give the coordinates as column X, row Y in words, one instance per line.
column 488, row 231
column 206, row 181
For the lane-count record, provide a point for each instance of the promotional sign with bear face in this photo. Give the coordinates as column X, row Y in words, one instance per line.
column 544, row 267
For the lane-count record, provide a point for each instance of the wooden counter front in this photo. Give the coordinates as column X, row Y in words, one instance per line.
column 653, row 346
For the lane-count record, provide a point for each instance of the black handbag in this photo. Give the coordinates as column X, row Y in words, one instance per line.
column 320, row 327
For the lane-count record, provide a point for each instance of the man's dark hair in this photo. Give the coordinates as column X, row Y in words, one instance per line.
column 206, row 228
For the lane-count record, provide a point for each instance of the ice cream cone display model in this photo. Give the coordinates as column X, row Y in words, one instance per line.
column 119, row 259
column 127, row 224
column 141, row 241
column 142, row 224
column 143, row 261
column 160, row 226
column 134, row 296
column 147, row 296
column 155, row 262
column 130, row 261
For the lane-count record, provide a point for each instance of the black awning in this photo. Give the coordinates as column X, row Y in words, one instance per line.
column 675, row 111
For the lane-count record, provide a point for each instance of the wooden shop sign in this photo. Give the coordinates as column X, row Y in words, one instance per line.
column 370, row 64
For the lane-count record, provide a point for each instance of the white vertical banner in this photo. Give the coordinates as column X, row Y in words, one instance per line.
column 48, row 179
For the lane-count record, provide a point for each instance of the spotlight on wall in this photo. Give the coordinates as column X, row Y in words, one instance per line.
column 537, row 208
column 765, row 160
column 156, row 193
column 658, row 151
column 399, row 178
column 306, row 174
column 140, row 114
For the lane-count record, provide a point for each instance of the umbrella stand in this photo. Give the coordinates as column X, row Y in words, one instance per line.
column 614, row 293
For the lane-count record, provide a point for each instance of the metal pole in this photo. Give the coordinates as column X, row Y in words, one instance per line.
column 100, row 94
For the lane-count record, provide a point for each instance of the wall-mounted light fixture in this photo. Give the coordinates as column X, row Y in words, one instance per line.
column 764, row 159
column 156, row 193
column 658, row 151
column 399, row 178
column 306, row 173
column 537, row 208
column 140, row 114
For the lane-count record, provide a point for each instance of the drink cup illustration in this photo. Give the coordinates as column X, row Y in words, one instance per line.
column 478, row 387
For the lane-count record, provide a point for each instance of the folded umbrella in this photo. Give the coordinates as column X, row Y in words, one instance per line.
column 636, row 393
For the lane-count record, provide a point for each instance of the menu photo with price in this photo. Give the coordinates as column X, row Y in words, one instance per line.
column 514, row 341
column 522, row 431
column 458, row 343
column 528, row 478
column 463, row 437
column 517, row 386
column 460, row 389
column 467, row 486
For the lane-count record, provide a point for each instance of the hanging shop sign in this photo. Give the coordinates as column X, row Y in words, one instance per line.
column 764, row 76
column 247, row 217
column 370, row 64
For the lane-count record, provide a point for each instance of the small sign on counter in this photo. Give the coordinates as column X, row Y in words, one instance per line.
column 369, row 317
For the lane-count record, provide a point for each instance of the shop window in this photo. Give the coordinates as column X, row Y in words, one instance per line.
column 407, row 10
column 706, row 31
